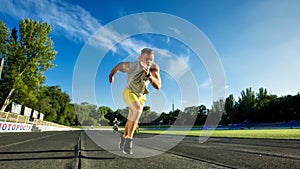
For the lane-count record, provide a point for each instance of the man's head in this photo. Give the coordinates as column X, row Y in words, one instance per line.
column 147, row 56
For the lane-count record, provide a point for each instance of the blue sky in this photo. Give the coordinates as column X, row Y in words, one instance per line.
column 257, row 42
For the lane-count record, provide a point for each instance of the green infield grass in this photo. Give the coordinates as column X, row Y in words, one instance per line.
column 259, row 133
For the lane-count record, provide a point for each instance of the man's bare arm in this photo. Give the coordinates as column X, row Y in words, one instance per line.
column 123, row 67
column 154, row 77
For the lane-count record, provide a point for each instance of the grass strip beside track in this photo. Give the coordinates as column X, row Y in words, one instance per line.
column 260, row 133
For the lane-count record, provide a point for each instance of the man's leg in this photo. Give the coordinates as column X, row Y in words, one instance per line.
column 132, row 121
column 135, row 104
column 122, row 137
column 133, row 118
column 129, row 127
column 126, row 127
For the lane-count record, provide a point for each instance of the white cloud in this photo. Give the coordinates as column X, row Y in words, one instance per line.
column 74, row 22
column 175, row 66
column 168, row 40
column 185, row 56
column 106, row 39
column 77, row 24
column 175, row 30
column 132, row 46
column 205, row 84
column 143, row 23
column 163, row 53
column 122, row 12
column 67, row 19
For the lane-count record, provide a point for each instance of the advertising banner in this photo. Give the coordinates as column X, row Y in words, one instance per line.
column 27, row 111
column 41, row 116
column 16, row 108
column 35, row 114
column 15, row 127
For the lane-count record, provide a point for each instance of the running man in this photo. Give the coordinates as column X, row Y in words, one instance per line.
column 139, row 75
column 116, row 125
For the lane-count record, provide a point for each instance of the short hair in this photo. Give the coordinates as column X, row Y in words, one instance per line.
column 148, row 51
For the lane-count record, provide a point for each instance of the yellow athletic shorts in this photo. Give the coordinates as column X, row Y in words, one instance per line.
column 129, row 97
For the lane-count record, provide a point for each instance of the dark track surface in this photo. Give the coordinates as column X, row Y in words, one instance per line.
column 75, row 149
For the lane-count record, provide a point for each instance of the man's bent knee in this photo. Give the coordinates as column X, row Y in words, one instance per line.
column 135, row 116
column 136, row 106
column 136, row 111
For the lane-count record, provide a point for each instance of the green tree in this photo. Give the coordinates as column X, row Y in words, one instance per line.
column 102, row 111
column 218, row 106
column 215, row 113
column 55, row 104
column 121, row 115
column 174, row 115
column 262, row 112
column 202, row 114
column 228, row 116
column 71, row 116
column 28, row 55
column 4, row 33
column 189, row 115
column 84, row 111
column 148, row 116
column 110, row 116
column 290, row 106
column 164, row 118
column 247, row 103
column 47, row 105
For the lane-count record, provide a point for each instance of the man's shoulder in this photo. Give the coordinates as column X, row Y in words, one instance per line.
column 133, row 65
column 124, row 66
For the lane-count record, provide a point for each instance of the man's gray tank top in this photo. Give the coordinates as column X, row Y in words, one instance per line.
column 136, row 80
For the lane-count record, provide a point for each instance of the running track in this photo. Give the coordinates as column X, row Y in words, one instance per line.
column 75, row 149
